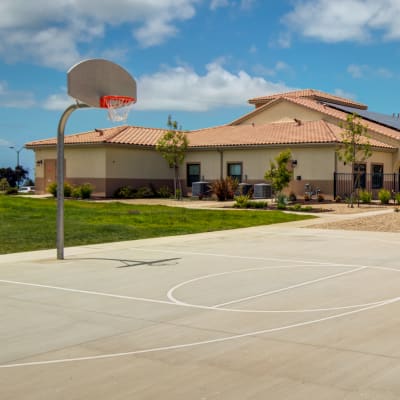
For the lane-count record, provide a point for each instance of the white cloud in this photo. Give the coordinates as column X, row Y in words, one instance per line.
column 345, row 20
column 15, row 99
column 366, row 71
column 51, row 33
column 58, row 101
column 280, row 66
column 181, row 88
column 345, row 94
column 5, row 143
column 283, row 40
column 214, row 4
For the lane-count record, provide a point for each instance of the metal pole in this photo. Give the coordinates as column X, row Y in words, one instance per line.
column 60, row 177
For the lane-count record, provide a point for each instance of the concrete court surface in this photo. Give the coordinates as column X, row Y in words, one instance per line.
column 274, row 312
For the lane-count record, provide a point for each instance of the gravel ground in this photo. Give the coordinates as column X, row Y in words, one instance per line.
column 373, row 218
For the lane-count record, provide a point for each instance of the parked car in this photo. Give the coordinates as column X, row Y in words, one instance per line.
column 26, row 189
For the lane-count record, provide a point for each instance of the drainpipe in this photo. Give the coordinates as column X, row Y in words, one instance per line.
column 221, row 158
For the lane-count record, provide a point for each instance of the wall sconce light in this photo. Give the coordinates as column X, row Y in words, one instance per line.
column 294, row 163
column 39, row 162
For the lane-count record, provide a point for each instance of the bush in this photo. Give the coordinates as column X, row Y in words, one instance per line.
column 241, row 201
column 144, row 192
column 225, row 189
column 52, row 189
column 338, row 199
column 12, row 190
column 320, row 198
column 384, row 196
column 82, row 192
column 365, row 196
column 282, row 202
column 164, row 192
column 397, row 198
column 125, row 192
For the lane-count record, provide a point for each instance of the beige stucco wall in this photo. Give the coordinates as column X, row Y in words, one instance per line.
column 256, row 161
column 378, row 157
column 81, row 162
column 281, row 110
column 127, row 162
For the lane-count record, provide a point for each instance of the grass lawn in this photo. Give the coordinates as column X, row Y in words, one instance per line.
column 30, row 224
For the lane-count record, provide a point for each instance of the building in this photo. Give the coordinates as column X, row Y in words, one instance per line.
column 308, row 122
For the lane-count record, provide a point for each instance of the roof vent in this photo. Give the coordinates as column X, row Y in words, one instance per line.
column 298, row 121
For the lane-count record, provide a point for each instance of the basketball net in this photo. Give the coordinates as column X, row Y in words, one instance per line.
column 118, row 107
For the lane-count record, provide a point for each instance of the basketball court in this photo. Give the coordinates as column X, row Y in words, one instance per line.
column 277, row 312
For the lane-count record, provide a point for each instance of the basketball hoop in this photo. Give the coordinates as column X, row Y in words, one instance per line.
column 118, row 107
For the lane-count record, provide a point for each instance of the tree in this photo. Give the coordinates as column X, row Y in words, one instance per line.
column 172, row 146
column 279, row 173
column 13, row 176
column 355, row 149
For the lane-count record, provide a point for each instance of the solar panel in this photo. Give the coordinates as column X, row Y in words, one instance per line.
column 391, row 121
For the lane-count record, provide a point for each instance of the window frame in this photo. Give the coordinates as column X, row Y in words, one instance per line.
column 232, row 163
column 190, row 181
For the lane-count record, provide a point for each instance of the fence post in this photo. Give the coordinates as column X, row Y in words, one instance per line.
column 334, row 185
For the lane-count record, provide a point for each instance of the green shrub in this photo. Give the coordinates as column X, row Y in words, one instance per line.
column 76, row 192
column 86, row 191
column 259, row 204
column 365, row 196
column 225, row 189
column 125, row 192
column 52, row 189
column 397, row 198
column 144, row 192
column 4, row 184
column 12, row 190
column 384, row 196
column 164, row 192
column 282, row 201
column 241, row 201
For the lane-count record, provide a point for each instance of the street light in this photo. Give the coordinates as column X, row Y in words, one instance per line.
column 17, row 151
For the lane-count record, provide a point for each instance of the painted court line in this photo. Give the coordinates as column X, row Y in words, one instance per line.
column 200, row 343
column 117, row 296
column 298, row 285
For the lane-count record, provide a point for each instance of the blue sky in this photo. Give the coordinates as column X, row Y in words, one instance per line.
column 198, row 60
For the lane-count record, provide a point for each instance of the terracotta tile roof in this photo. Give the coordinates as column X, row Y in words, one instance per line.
column 324, row 109
column 310, row 94
column 279, row 133
column 123, row 135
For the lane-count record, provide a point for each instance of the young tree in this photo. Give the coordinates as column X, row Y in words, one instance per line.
column 172, row 146
column 355, row 149
column 279, row 173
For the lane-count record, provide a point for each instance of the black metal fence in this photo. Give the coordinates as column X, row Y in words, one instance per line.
column 345, row 183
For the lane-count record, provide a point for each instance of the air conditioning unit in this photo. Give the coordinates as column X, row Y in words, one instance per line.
column 262, row 191
column 200, row 189
column 244, row 188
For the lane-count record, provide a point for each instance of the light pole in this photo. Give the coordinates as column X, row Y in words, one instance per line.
column 17, row 151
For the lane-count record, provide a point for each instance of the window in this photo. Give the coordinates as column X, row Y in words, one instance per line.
column 235, row 171
column 377, row 176
column 192, row 173
column 360, row 173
